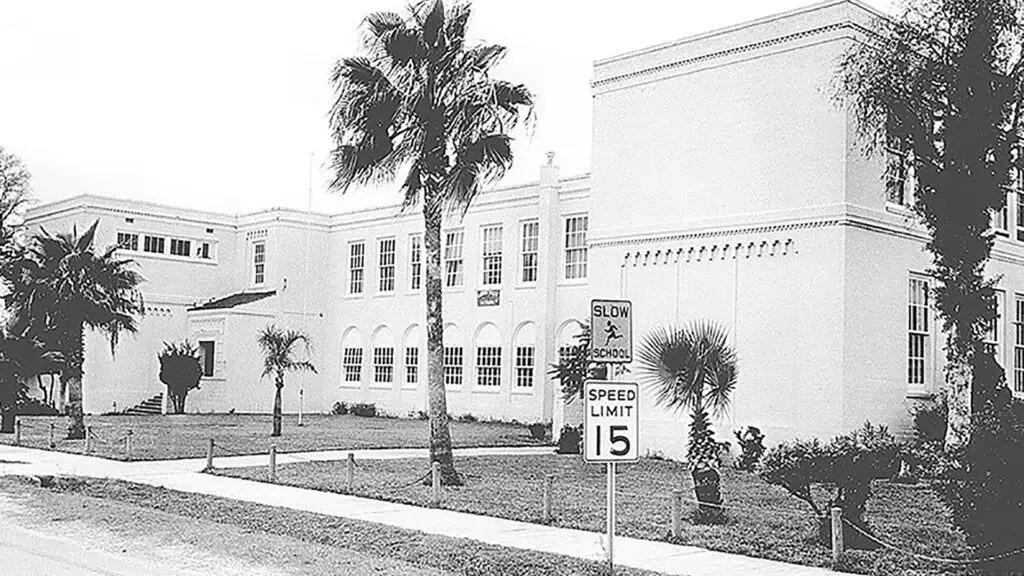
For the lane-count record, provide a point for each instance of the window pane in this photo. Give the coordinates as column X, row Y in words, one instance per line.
column 576, row 247
column 387, row 265
column 453, row 263
column 492, row 255
column 531, row 231
column 356, row 261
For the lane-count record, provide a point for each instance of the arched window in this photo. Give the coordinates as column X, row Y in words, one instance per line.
column 352, row 357
column 453, row 356
column 567, row 338
column 526, row 356
column 488, row 356
column 383, row 357
column 413, row 341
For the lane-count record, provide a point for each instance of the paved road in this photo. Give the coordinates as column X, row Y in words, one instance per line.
column 30, row 553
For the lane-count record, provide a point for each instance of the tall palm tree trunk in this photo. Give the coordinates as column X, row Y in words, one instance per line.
column 437, row 401
column 277, row 404
column 75, row 358
column 8, row 415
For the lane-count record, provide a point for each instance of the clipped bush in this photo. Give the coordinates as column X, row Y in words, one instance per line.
column 930, row 420
column 467, row 418
column 751, row 442
column 339, row 409
column 846, row 466
column 35, row 407
column 181, row 370
column 540, row 430
column 366, row 410
column 570, row 440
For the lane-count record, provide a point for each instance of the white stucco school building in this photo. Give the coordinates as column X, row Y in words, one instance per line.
column 726, row 184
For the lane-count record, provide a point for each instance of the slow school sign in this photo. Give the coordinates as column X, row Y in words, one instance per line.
column 611, row 421
column 611, row 331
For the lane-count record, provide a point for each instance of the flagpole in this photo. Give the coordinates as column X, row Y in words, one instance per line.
column 306, row 279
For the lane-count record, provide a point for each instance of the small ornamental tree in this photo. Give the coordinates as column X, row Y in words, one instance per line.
column 846, row 466
column 278, row 347
column 180, row 369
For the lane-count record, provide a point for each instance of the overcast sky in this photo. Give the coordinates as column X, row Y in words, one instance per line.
column 219, row 105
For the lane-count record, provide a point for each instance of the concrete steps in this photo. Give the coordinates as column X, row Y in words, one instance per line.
column 152, row 406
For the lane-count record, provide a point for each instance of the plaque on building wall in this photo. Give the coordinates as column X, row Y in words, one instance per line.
column 488, row 297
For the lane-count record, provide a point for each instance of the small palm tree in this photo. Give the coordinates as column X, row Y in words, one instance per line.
column 61, row 283
column 278, row 358
column 693, row 369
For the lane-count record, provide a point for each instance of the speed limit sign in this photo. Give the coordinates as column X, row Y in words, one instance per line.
column 611, row 421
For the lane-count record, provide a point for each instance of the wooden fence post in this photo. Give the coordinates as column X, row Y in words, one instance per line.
column 209, row 455
column 435, row 495
column 128, row 445
column 52, row 444
column 350, row 475
column 273, row 463
column 88, row 439
column 677, row 512
column 837, row 534
column 17, row 433
column 549, row 482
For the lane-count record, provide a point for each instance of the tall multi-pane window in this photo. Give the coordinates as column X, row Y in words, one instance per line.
column 181, row 247
column 415, row 261
column 488, row 366
column 531, row 245
column 356, row 263
column 1000, row 218
column 453, row 263
column 154, row 244
column 525, row 357
column 387, row 265
column 1018, row 346
column 453, row 366
column 918, row 329
column 352, row 362
column 384, row 365
column 993, row 337
column 259, row 262
column 492, row 255
column 128, row 241
column 901, row 191
column 412, row 365
column 1020, row 216
column 203, row 251
column 575, row 247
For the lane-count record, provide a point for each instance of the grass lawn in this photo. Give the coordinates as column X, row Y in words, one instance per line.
column 187, row 435
column 294, row 535
column 767, row 521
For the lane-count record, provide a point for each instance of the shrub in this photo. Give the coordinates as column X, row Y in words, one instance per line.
column 570, row 441
column 467, row 418
column 181, row 370
column 339, row 409
column 930, row 420
column 751, row 448
column 847, row 465
column 35, row 407
column 540, row 430
column 367, row 410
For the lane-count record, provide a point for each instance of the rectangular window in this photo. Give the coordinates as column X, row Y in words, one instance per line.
column 384, row 365
column 575, row 247
column 993, row 339
column 918, row 328
column 453, row 263
column 387, row 265
column 492, row 255
column 203, row 251
column 128, row 241
column 153, row 244
column 181, row 247
column 1000, row 218
column 356, row 262
column 901, row 191
column 488, row 366
column 415, row 261
column 524, row 366
column 1020, row 216
column 412, row 365
column 206, row 356
column 352, row 362
column 453, row 365
column 531, row 245
column 259, row 262
column 1018, row 347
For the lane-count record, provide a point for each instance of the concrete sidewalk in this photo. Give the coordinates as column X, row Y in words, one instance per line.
column 644, row 554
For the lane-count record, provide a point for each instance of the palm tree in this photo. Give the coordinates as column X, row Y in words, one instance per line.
column 278, row 349
column 421, row 103
column 61, row 283
column 693, row 368
column 21, row 358
column 181, row 371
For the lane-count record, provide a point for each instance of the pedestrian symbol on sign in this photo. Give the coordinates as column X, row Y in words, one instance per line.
column 612, row 332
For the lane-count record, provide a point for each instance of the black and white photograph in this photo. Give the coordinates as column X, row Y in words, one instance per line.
column 512, row 287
